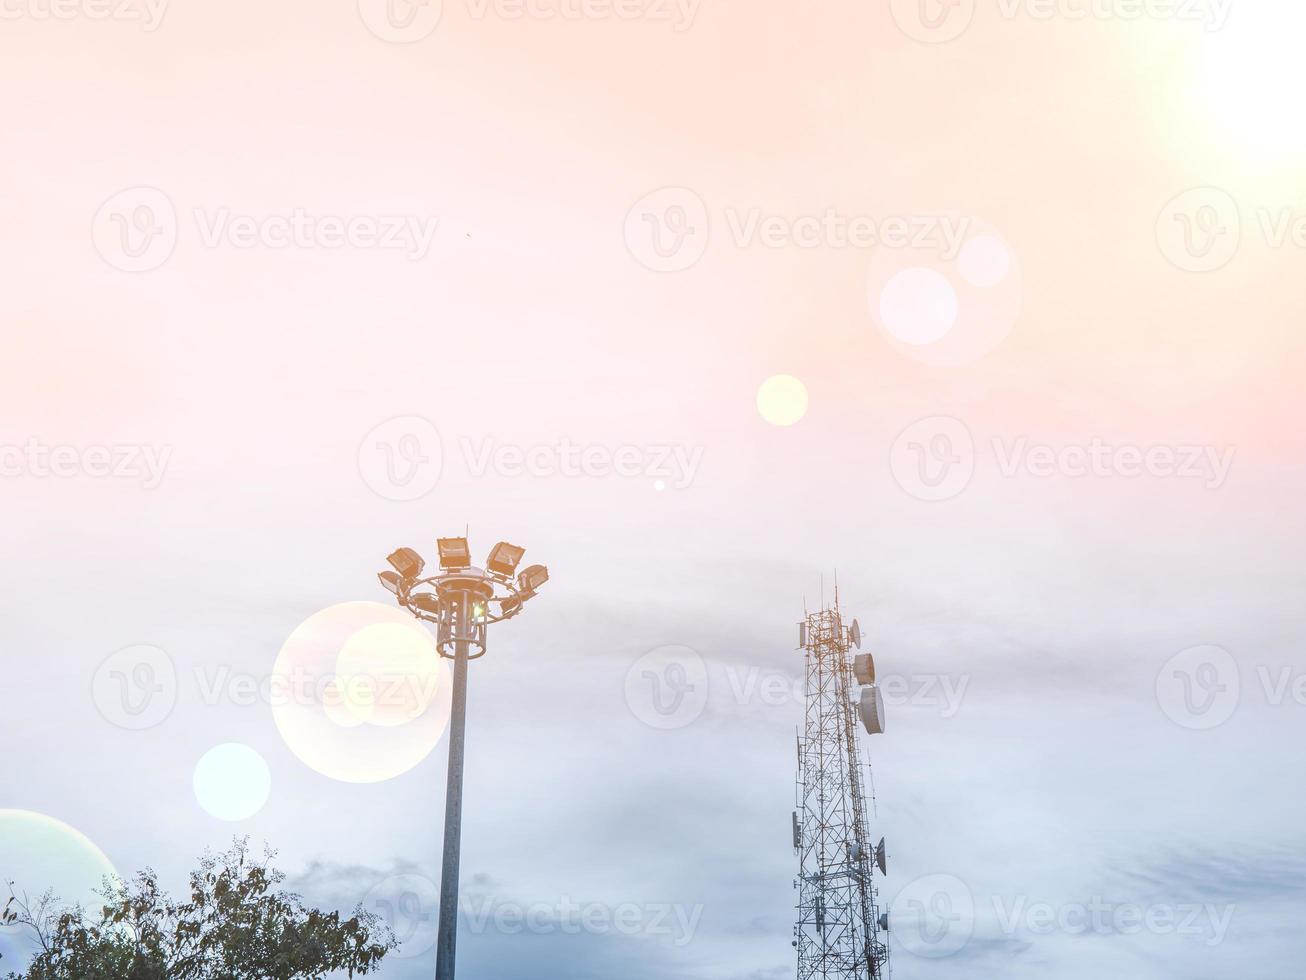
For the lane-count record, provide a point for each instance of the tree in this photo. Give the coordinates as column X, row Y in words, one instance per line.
column 236, row 925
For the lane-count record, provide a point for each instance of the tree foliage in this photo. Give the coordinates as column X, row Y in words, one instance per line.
column 234, row 925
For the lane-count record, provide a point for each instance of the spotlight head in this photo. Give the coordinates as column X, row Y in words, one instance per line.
column 407, row 562
column 454, row 553
column 426, row 602
column 509, row 607
column 532, row 578
column 390, row 580
column 504, row 558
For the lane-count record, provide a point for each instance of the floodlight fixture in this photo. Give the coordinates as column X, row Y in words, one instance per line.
column 407, row 562
column 505, row 558
column 532, row 578
column 427, row 602
column 461, row 602
column 454, row 553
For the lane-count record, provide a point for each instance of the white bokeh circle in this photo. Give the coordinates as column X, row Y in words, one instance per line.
column 918, row 306
column 232, row 782
column 950, row 296
column 39, row 853
column 984, row 261
column 782, row 400
column 361, row 695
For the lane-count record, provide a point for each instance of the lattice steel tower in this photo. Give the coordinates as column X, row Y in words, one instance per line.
column 840, row 932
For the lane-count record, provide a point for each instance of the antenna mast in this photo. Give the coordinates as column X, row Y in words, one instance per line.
column 841, row 933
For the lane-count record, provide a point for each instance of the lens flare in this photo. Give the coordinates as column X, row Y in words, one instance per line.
column 232, row 782
column 1253, row 74
column 363, row 695
column 782, row 400
column 946, row 302
column 38, row 854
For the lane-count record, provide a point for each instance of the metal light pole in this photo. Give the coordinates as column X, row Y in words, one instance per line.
column 447, row 943
column 461, row 601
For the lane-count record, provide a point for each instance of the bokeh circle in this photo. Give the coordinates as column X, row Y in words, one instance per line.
column 782, row 400
column 950, row 297
column 38, row 854
column 360, row 693
column 232, row 782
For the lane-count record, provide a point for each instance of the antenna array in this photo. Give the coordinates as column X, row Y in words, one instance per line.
column 840, row 934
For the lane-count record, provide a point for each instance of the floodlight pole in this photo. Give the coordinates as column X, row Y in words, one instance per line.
column 460, row 602
column 447, row 942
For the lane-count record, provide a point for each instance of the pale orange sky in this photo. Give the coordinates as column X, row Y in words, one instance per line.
column 528, row 319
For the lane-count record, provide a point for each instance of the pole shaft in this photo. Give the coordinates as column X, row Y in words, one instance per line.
column 453, row 820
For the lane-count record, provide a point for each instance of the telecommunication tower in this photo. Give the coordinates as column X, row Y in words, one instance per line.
column 841, row 932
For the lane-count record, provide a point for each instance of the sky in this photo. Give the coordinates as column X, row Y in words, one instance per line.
column 988, row 310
